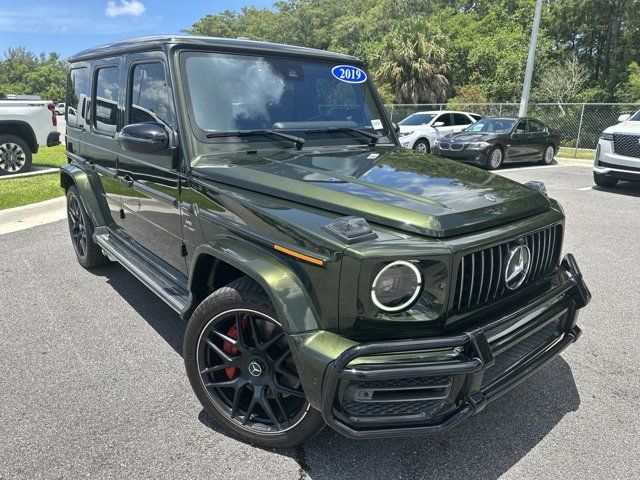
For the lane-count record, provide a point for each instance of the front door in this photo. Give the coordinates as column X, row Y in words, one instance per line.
column 151, row 199
column 100, row 147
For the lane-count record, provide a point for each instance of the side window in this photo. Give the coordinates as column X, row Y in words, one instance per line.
column 460, row 119
column 536, row 127
column 150, row 97
column 107, row 92
column 445, row 118
column 77, row 92
column 521, row 127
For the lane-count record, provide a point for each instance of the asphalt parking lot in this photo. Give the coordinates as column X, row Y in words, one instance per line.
column 92, row 381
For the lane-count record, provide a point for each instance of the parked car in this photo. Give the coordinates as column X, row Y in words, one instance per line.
column 493, row 141
column 327, row 274
column 25, row 125
column 420, row 130
column 618, row 152
column 60, row 109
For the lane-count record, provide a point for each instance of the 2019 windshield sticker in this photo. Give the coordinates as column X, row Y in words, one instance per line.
column 349, row 74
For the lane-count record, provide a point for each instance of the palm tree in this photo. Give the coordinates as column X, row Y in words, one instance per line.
column 415, row 68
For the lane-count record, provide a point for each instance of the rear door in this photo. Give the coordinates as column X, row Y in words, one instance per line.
column 100, row 147
column 539, row 138
column 151, row 199
column 460, row 122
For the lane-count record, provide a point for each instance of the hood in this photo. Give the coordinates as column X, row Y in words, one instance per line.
column 390, row 186
column 630, row 126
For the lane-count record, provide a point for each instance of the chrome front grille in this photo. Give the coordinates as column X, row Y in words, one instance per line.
column 481, row 276
column 627, row 145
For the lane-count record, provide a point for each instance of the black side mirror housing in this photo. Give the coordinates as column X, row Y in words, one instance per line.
column 143, row 138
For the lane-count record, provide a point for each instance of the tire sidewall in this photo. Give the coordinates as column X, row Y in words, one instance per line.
column 25, row 148
column 544, row 155
column 218, row 302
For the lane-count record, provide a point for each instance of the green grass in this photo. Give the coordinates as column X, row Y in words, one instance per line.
column 567, row 152
column 16, row 192
column 50, row 157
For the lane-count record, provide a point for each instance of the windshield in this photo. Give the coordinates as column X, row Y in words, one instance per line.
column 417, row 119
column 492, row 125
column 313, row 100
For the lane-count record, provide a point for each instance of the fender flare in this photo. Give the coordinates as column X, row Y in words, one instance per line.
column 284, row 288
column 71, row 174
column 32, row 141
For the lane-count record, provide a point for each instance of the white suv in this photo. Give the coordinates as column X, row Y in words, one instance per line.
column 618, row 152
column 418, row 131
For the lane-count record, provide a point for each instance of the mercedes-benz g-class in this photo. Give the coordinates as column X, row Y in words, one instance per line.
column 328, row 276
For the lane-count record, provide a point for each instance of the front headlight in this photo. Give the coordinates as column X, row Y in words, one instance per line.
column 607, row 136
column 397, row 286
column 436, row 143
column 477, row 145
column 404, row 134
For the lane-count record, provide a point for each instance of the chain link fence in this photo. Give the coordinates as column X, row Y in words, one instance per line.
column 578, row 124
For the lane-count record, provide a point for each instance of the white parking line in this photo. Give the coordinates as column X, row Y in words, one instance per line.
column 535, row 167
column 584, row 189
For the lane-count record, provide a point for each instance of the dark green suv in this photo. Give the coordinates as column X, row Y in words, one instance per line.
column 327, row 275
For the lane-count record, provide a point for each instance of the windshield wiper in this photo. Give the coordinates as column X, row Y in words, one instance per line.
column 298, row 141
column 373, row 137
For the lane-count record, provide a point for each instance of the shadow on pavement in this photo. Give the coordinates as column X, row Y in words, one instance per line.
column 157, row 314
column 631, row 189
column 484, row 447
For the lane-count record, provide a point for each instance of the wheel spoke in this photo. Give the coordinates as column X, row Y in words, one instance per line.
column 272, row 340
column 242, row 340
column 222, row 383
column 280, row 388
column 266, row 406
column 236, row 401
column 282, row 409
column 217, row 368
column 254, row 329
column 250, row 408
column 219, row 351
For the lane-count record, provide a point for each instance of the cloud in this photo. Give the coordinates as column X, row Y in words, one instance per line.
column 124, row 7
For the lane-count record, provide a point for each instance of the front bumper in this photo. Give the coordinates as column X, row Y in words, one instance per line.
column 463, row 374
column 476, row 157
column 611, row 164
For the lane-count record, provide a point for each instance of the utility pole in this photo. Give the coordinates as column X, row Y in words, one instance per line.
column 524, row 101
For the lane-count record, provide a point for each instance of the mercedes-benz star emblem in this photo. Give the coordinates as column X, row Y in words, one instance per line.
column 255, row 369
column 517, row 267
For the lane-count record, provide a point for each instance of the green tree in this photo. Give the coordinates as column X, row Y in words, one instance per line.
column 413, row 64
column 629, row 91
column 22, row 72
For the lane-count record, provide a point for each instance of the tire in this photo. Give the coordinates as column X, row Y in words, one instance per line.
column 15, row 155
column 227, row 336
column 422, row 146
column 548, row 155
column 495, row 158
column 88, row 253
column 604, row 181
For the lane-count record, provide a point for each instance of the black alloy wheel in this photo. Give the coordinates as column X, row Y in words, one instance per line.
column 241, row 368
column 88, row 252
column 246, row 367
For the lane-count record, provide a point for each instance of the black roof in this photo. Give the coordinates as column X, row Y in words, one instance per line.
column 155, row 42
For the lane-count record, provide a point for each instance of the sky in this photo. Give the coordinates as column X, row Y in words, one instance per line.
column 69, row 26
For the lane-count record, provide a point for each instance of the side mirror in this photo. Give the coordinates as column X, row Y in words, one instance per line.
column 519, row 132
column 438, row 124
column 143, row 138
column 396, row 128
column 624, row 118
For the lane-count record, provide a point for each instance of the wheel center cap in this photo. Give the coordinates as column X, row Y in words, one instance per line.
column 255, row 368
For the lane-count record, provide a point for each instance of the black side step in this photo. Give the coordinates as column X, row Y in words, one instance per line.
column 169, row 286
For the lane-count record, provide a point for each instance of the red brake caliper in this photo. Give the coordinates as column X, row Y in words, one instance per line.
column 227, row 347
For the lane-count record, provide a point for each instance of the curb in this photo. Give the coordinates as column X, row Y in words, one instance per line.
column 27, row 216
column 30, row 174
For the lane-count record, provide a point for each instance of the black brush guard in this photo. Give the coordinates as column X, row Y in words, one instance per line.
column 477, row 358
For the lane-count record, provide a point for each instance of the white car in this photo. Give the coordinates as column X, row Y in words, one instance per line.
column 618, row 152
column 60, row 109
column 418, row 131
